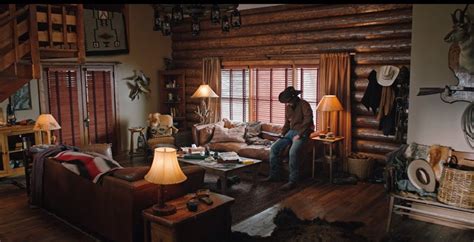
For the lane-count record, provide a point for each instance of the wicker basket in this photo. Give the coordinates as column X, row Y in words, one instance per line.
column 457, row 188
column 361, row 166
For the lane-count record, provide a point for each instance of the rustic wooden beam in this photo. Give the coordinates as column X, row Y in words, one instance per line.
column 373, row 135
column 354, row 33
column 42, row 17
column 376, row 147
column 65, row 39
column 340, row 46
column 366, row 122
column 13, row 25
column 369, row 19
column 43, row 36
column 81, row 46
column 33, row 35
column 50, row 26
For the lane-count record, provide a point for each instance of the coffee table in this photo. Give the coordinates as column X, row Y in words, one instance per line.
column 224, row 170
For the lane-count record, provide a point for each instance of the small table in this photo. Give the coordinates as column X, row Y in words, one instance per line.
column 140, row 131
column 208, row 223
column 224, row 170
column 331, row 158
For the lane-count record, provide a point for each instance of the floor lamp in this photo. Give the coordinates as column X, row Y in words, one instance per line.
column 204, row 91
column 46, row 122
column 329, row 103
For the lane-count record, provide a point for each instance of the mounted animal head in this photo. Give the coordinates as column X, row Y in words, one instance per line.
column 462, row 28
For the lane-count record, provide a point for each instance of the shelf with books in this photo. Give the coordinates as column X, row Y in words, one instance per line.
column 172, row 96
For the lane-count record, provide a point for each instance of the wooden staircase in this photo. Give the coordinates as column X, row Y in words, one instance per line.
column 30, row 32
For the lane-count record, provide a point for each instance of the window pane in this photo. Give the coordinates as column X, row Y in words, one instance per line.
column 307, row 81
column 235, row 94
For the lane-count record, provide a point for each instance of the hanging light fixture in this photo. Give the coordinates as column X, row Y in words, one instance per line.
column 235, row 19
column 215, row 14
column 167, row 16
column 225, row 24
column 195, row 27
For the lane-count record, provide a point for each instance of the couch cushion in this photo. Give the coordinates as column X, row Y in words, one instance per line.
column 222, row 134
column 272, row 128
column 252, row 130
column 260, row 152
column 227, row 146
column 103, row 149
column 131, row 174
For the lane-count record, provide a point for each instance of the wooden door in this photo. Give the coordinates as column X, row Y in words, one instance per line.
column 99, row 105
column 63, row 90
column 82, row 99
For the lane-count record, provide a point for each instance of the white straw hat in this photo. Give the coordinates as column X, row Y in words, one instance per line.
column 387, row 75
column 421, row 175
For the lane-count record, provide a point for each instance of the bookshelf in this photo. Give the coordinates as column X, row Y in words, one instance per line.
column 172, row 98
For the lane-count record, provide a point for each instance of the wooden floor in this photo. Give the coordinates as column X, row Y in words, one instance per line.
column 362, row 202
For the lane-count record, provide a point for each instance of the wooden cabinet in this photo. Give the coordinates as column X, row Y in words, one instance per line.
column 11, row 148
column 172, row 96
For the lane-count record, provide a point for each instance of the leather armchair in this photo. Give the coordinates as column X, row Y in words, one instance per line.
column 111, row 209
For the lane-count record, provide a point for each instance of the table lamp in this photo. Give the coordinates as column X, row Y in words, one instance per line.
column 165, row 170
column 329, row 103
column 46, row 122
column 204, row 91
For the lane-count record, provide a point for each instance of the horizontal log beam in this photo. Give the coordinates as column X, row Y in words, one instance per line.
column 262, row 51
column 355, row 33
column 374, row 146
column 372, row 134
column 369, row 19
column 366, row 122
column 360, row 110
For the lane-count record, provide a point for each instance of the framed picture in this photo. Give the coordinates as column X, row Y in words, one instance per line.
column 21, row 99
column 105, row 32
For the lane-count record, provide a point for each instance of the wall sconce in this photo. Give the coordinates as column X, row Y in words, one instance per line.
column 215, row 14
column 166, row 26
column 177, row 13
column 225, row 24
column 235, row 19
column 157, row 25
column 195, row 27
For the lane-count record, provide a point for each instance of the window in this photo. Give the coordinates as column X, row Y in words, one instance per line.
column 244, row 98
column 235, row 94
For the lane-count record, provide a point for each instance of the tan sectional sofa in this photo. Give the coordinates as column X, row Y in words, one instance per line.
column 202, row 135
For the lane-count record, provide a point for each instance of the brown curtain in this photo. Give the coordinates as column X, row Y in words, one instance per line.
column 211, row 74
column 334, row 79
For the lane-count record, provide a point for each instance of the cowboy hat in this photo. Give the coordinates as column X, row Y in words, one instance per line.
column 387, row 75
column 288, row 94
column 421, row 175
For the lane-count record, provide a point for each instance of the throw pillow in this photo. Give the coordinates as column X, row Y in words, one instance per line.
column 160, row 130
column 222, row 134
column 253, row 130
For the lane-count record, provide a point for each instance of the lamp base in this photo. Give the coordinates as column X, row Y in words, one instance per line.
column 163, row 210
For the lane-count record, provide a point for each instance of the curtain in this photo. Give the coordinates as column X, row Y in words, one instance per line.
column 334, row 79
column 211, row 74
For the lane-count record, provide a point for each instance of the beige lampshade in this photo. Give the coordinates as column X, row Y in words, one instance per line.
column 46, row 122
column 203, row 91
column 329, row 103
column 165, row 168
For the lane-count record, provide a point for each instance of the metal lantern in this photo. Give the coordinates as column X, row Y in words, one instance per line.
column 166, row 26
column 157, row 22
column 215, row 14
column 225, row 24
column 177, row 13
column 195, row 27
column 235, row 19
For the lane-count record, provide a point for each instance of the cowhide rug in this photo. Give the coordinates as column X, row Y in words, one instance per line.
column 289, row 228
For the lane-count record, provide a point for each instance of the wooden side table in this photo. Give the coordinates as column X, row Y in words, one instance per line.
column 331, row 158
column 209, row 223
column 140, row 131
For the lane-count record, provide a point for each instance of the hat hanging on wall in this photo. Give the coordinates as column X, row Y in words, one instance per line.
column 421, row 175
column 387, row 75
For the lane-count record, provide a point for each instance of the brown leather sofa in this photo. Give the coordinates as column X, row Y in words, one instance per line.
column 202, row 134
column 112, row 209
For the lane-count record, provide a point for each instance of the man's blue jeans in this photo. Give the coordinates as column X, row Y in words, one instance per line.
column 294, row 162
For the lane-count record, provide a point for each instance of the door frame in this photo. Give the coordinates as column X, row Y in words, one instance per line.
column 44, row 99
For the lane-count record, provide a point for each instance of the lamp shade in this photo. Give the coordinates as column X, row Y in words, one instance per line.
column 165, row 168
column 329, row 103
column 46, row 122
column 203, row 91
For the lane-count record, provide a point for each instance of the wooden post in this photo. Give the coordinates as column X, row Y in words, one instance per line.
column 34, row 44
column 63, row 15
column 81, row 48
column 50, row 27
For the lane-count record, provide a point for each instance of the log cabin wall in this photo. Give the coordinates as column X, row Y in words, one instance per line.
column 378, row 34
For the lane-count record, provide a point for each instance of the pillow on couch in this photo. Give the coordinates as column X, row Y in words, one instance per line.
column 222, row 134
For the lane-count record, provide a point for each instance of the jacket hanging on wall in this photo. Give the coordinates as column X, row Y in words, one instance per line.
column 371, row 98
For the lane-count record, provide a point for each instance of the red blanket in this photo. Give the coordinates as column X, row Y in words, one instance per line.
column 89, row 165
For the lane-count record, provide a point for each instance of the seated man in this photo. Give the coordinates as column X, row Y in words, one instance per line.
column 298, row 126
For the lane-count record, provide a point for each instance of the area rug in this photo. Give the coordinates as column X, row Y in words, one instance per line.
column 289, row 228
column 249, row 199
